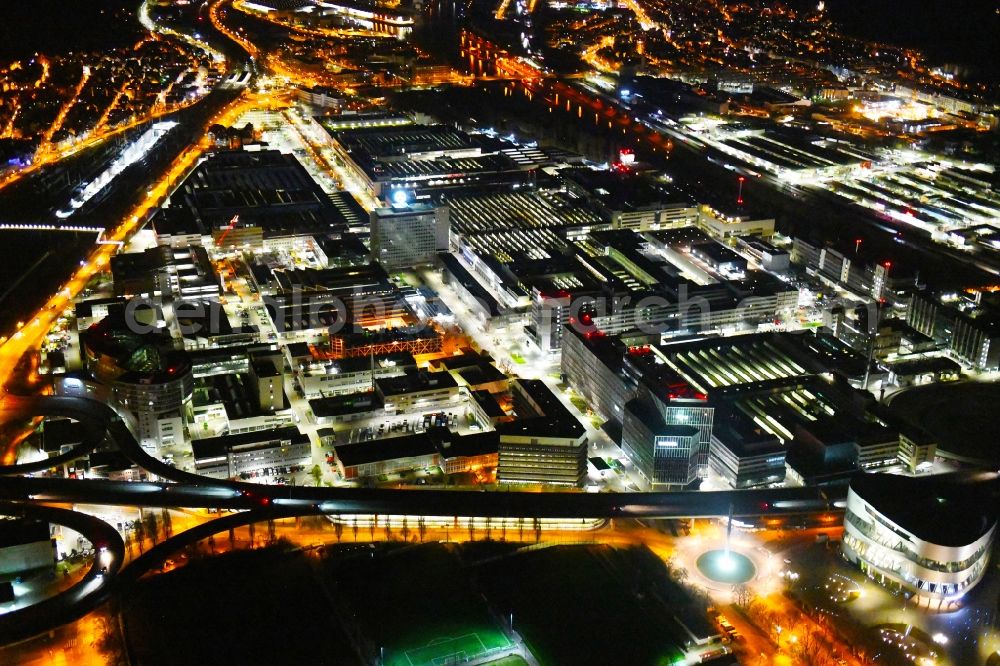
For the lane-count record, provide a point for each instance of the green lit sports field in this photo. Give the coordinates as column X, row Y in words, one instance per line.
column 418, row 606
column 457, row 650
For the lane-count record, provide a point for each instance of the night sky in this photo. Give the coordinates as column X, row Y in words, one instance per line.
column 948, row 31
column 58, row 26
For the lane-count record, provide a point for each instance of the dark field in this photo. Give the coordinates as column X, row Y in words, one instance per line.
column 959, row 415
column 409, row 605
column 250, row 607
column 584, row 605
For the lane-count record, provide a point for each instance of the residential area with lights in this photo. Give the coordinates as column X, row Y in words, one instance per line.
column 512, row 333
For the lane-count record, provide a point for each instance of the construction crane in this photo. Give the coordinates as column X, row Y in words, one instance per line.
column 229, row 227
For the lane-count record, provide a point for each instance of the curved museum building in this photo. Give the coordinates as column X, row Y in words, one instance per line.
column 928, row 536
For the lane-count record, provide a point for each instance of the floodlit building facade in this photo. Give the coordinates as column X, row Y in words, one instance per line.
column 546, row 444
column 925, row 537
column 405, row 235
column 665, row 454
column 228, row 456
column 25, row 545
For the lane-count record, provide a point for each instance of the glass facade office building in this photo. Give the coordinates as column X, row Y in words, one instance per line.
column 667, row 454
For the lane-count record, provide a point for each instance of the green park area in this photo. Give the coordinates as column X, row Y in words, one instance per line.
column 579, row 403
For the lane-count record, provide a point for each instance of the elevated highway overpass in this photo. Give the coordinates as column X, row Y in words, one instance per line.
column 186, row 489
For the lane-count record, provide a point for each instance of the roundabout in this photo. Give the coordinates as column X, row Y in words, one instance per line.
column 726, row 566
